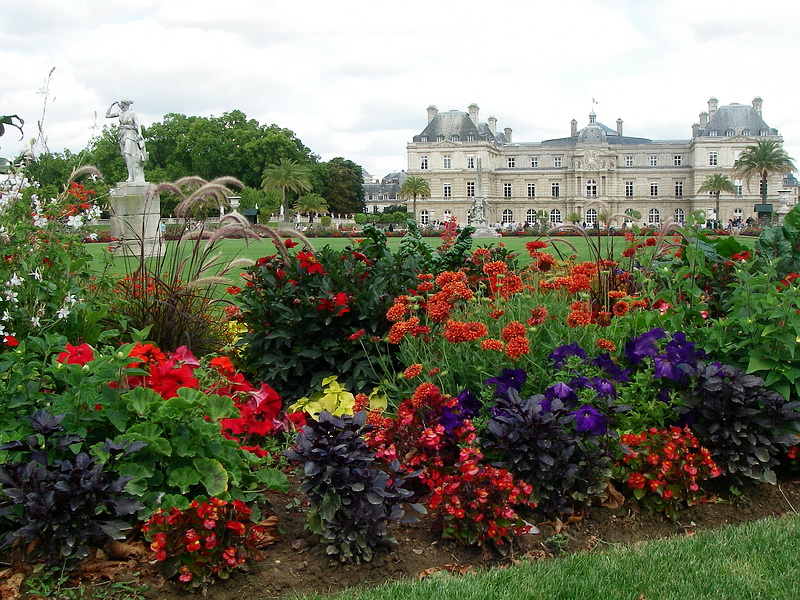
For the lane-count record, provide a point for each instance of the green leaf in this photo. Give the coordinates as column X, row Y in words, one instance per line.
column 183, row 478
column 214, row 475
column 141, row 399
column 274, row 479
column 759, row 363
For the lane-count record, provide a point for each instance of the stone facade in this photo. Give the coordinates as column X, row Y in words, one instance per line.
column 596, row 170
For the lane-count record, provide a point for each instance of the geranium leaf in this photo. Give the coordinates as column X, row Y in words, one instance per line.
column 214, row 477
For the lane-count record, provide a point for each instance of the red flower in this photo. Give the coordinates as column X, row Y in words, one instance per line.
column 223, row 366
column 357, row 335
column 412, row 371
column 76, row 355
column 10, row 341
column 289, row 243
column 309, row 262
column 166, row 379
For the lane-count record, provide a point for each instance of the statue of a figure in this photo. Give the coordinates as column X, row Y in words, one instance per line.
column 478, row 210
column 131, row 141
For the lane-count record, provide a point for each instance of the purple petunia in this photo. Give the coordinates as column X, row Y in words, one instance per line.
column 589, row 420
column 612, row 369
column 561, row 391
column 508, row 379
column 604, row 388
column 644, row 345
column 468, row 406
column 562, row 353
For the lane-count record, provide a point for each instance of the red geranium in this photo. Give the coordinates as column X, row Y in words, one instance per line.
column 309, row 262
column 76, row 355
column 166, row 379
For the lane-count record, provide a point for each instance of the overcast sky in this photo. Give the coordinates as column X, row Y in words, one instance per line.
column 353, row 78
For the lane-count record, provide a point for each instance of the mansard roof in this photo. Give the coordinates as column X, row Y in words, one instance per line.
column 596, row 133
column 736, row 118
column 447, row 124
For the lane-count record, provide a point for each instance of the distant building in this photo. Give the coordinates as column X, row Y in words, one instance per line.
column 378, row 194
column 595, row 170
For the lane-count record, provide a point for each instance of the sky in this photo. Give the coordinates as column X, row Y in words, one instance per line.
column 354, row 78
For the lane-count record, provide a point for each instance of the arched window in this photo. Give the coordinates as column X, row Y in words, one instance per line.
column 591, row 217
column 679, row 215
column 530, row 217
column 423, row 217
column 591, row 189
column 555, row 216
column 737, row 213
column 653, row 216
column 447, row 215
column 508, row 216
column 629, row 216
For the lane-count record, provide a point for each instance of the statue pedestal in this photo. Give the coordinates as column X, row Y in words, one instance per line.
column 136, row 220
column 482, row 229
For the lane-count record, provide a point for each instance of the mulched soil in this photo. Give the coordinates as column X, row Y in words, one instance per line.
column 297, row 564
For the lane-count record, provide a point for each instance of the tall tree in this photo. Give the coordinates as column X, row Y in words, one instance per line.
column 311, row 204
column 716, row 184
column 414, row 187
column 287, row 176
column 343, row 186
column 761, row 160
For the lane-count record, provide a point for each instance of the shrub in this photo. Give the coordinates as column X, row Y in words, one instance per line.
column 539, row 441
column 208, row 540
column 663, row 468
column 353, row 497
column 59, row 502
column 746, row 427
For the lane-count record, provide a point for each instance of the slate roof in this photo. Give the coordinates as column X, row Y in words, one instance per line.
column 736, row 118
column 446, row 124
column 596, row 133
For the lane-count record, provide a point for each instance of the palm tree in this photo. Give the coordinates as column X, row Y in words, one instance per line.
column 760, row 161
column 311, row 204
column 288, row 175
column 412, row 187
column 716, row 184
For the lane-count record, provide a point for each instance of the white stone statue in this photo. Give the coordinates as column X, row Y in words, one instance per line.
column 131, row 141
column 478, row 211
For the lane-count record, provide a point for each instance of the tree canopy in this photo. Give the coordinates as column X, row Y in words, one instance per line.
column 761, row 160
column 413, row 187
column 288, row 176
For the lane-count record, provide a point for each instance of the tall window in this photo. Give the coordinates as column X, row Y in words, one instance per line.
column 629, row 216
column 511, row 161
column 679, row 216
column 447, row 161
column 506, row 190
column 713, row 158
column 470, row 162
column 534, row 162
column 530, row 216
column 555, row 216
column 628, row 161
column 591, row 217
column 470, row 189
column 678, row 189
column 508, row 216
column 654, row 188
column 738, row 185
column 629, row 189
column 447, row 215
column 447, row 190
column 423, row 162
column 555, row 190
column 591, row 188
column 531, row 190
column 653, row 216
column 423, row 217
column 653, row 160
column 677, row 160
column 557, row 162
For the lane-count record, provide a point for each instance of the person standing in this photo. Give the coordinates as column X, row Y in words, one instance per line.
column 131, row 141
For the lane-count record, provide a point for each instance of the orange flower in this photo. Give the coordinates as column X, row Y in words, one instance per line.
column 538, row 316
column 514, row 329
column 496, row 267
column 413, row 371
column 492, row 344
column 458, row 331
column 606, row 345
column 510, row 285
column 579, row 318
column 516, row 347
column 621, row 308
column 616, row 294
column 532, row 247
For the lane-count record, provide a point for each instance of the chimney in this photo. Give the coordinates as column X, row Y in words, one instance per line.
column 493, row 125
column 695, row 129
column 473, row 113
column 432, row 112
column 507, row 132
column 619, row 127
column 573, row 127
column 703, row 119
column 713, row 103
column 757, row 101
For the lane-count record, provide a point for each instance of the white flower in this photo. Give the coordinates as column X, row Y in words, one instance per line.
column 15, row 280
column 36, row 275
column 70, row 299
column 35, row 322
column 11, row 296
column 39, row 221
column 6, row 316
column 93, row 236
column 3, row 330
column 75, row 221
column 63, row 313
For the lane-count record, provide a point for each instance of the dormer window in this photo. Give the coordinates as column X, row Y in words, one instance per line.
column 729, row 133
column 423, row 138
column 746, row 132
column 712, row 133
column 470, row 138
column 763, row 132
column 454, row 138
column 439, row 138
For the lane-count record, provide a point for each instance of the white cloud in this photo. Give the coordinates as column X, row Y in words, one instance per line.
column 353, row 78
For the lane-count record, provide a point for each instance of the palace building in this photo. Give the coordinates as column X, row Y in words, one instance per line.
column 595, row 170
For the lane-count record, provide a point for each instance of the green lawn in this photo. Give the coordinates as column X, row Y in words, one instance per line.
column 232, row 249
column 754, row 561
